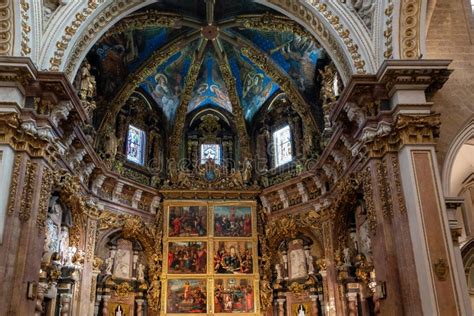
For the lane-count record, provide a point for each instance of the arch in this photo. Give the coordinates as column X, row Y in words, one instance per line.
column 350, row 49
column 466, row 133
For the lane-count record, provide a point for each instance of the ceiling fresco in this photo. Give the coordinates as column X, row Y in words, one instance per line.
column 123, row 52
column 166, row 84
column 296, row 55
column 210, row 88
column 253, row 85
column 114, row 57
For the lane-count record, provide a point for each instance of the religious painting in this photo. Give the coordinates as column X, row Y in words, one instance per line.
column 116, row 57
column 186, row 296
column 296, row 54
column 233, row 296
column 232, row 221
column 210, row 88
column 253, row 86
column 187, row 257
column 233, row 257
column 187, row 221
column 167, row 82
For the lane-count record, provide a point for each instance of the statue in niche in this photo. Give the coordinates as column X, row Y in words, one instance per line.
column 141, row 272
column 309, row 261
column 347, row 257
column 236, row 177
column 63, row 243
column 301, row 310
column 247, row 171
column 87, row 85
column 109, row 264
column 110, row 143
column 69, row 256
column 279, row 272
column 119, row 311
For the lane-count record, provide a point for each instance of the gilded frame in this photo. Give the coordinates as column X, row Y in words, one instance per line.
column 210, row 239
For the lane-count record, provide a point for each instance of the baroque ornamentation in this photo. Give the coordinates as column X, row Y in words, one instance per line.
column 363, row 8
column 270, row 23
column 369, row 198
column 45, row 194
column 388, row 54
column 230, row 83
column 398, row 185
column 25, row 28
column 69, row 32
column 410, row 29
column 384, row 188
column 12, row 201
column 28, row 190
column 112, row 11
column 186, row 96
column 6, row 33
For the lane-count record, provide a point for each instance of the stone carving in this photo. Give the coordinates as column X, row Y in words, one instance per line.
column 278, row 271
column 347, row 257
column 141, row 272
column 247, row 171
column 109, row 265
column 49, row 7
column 364, row 8
column 298, row 267
column 309, row 261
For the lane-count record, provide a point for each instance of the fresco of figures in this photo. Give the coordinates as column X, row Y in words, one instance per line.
column 187, row 221
column 233, row 296
column 232, row 221
column 187, row 257
column 233, row 257
column 187, row 296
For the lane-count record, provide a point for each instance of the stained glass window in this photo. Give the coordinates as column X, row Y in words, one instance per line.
column 135, row 145
column 211, row 151
column 282, row 145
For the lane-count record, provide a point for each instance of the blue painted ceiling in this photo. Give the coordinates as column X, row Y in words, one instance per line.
column 116, row 57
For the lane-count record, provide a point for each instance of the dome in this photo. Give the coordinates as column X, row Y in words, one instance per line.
column 192, row 54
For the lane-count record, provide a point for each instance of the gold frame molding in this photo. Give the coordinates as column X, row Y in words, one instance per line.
column 210, row 239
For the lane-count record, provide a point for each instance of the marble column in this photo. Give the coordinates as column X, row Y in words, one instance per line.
column 105, row 304
column 281, row 306
column 452, row 206
column 85, row 304
column 333, row 301
column 139, row 303
column 314, row 305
